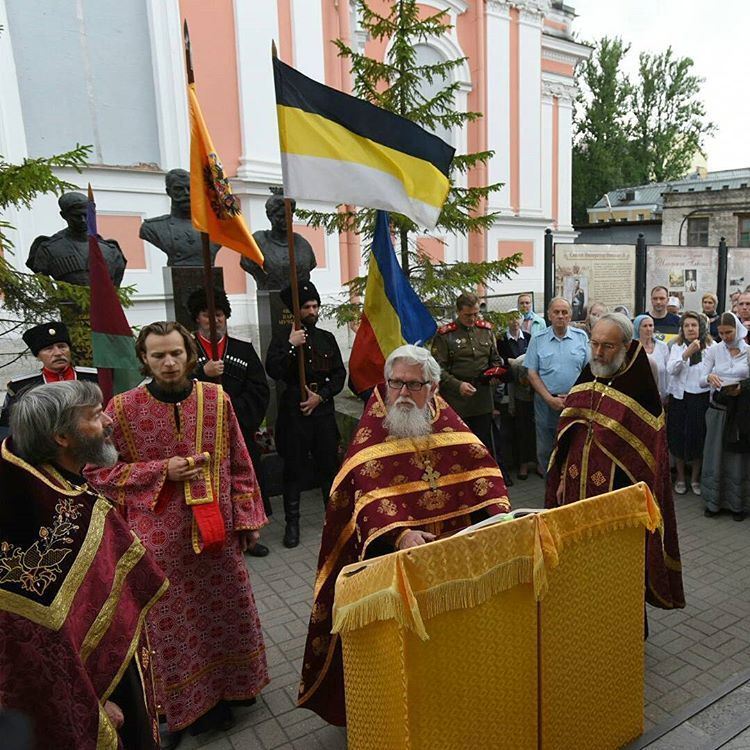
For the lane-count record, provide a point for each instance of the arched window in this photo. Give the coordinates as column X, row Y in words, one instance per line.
column 429, row 55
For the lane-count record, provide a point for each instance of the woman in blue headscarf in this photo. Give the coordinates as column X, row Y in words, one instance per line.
column 658, row 351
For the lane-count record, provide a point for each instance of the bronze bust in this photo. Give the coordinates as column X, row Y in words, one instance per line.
column 273, row 245
column 65, row 255
column 174, row 233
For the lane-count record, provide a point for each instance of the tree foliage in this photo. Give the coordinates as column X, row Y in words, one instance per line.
column 634, row 131
column 397, row 85
column 669, row 120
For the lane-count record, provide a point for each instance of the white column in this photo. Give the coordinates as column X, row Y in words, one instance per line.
column 566, row 159
column 546, row 154
column 170, row 82
column 498, row 101
column 13, row 142
column 530, row 112
column 256, row 25
column 307, row 36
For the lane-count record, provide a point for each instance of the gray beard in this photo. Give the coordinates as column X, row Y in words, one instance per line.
column 95, row 451
column 607, row 371
column 407, row 422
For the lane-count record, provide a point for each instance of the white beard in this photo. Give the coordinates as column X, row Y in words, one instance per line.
column 600, row 370
column 405, row 420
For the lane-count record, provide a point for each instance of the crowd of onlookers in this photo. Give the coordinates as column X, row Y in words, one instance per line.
column 700, row 360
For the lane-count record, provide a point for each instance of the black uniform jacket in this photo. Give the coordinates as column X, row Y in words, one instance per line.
column 324, row 369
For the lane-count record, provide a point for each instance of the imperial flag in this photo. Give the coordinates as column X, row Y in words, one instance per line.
column 215, row 209
column 340, row 149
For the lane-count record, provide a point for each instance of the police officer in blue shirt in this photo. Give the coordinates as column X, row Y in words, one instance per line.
column 554, row 359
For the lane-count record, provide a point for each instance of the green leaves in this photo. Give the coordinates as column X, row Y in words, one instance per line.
column 403, row 84
column 633, row 132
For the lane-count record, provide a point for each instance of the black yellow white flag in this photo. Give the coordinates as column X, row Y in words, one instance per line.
column 340, row 149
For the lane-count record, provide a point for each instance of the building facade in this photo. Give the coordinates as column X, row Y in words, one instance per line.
column 696, row 211
column 112, row 75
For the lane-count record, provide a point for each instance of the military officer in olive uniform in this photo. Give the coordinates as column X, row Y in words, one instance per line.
column 306, row 424
column 65, row 255
column 50, row 344
column 467, row 354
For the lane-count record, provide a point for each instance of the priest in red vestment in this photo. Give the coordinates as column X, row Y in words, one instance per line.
column 414, row 472
column 612, row 434
column 186, row 486
column 75, row 582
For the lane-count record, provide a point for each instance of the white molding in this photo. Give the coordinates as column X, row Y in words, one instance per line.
column 256, row 25
column 170, row 84
column 559, row 87
column 564, row 50
column 454, row 7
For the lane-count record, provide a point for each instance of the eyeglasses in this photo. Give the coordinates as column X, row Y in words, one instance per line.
column 607, row 347
column 411, row 385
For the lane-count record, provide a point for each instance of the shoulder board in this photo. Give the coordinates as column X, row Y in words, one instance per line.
column 89, row 370
column 483, row 324
column 13, row 386
column 447, row 328
column 578, row 330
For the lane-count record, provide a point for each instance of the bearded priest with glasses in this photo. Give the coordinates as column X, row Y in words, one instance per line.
column 413, row 473
column 612, row 434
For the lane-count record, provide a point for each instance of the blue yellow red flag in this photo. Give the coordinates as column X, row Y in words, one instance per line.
column 393, row 313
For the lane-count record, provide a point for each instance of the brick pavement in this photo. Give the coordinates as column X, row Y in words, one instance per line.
column 689, row 652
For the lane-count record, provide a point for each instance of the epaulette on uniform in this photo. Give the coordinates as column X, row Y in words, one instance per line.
column 18, row 384
column 90, row 370
column 483, row 324
column 447, row 328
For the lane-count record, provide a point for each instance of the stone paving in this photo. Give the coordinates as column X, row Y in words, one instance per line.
column 689, row 652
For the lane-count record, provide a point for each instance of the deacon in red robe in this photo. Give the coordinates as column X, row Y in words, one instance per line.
column 612, row 434
column 75, row 582
column 414, row 472
column 186, row 486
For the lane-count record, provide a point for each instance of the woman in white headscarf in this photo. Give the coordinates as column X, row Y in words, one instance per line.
column 726, row 472
column 657, row 351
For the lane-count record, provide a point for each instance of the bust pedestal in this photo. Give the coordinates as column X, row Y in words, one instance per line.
column 179, row 283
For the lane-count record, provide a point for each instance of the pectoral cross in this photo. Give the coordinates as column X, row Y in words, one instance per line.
column 430, row 475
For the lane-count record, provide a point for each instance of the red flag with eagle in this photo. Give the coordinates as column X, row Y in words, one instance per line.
column 215, row 209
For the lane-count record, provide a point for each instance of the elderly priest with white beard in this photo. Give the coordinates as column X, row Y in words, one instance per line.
column 612, row 434
column 413, row 473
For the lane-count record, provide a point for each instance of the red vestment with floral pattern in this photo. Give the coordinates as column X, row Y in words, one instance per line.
column 386, row 486
column 75, row 587
column 205, row 633
column 611, row 435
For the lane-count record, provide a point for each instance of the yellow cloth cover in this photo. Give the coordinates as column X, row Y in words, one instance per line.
column 505, row 637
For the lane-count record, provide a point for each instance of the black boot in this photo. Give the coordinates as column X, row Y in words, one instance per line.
column 291, row 513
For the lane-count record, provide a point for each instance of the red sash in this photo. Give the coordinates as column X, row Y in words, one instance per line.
column 202, row 493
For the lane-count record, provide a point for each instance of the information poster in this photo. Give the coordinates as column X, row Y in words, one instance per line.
column 687, row 272
column 738, row 274
column 585, row 274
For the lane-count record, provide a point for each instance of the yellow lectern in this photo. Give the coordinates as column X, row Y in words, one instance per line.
column 523, row 635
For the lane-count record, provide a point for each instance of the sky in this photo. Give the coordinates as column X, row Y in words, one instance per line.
column 713, row 35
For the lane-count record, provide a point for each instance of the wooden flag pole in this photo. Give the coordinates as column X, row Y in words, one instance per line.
column 295, row 296
column 208, row 273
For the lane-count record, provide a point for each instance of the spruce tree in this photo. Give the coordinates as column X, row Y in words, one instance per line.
column 395, row 84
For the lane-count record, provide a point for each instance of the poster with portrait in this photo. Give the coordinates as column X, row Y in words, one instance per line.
column 687, row 272
column 738, row 274
column 585, row 274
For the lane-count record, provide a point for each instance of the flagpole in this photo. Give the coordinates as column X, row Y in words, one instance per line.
column 295, row 296
column 293, row 282
column 208, row 274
